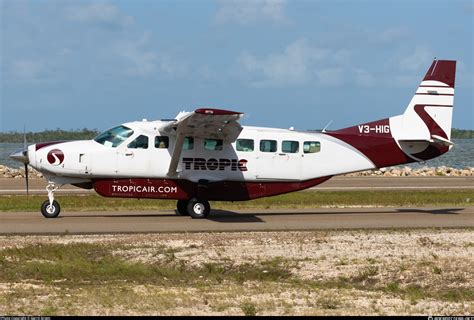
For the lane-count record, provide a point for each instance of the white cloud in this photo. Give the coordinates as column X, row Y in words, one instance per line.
column 302, row 64
column 250, row 11
column 392, row 34
column 363, row 78
column 292, row 67
column 29, row 70
column 98, row 13
column 141, row 61
column 144, row 62
column 419, row 59
column 330, row 76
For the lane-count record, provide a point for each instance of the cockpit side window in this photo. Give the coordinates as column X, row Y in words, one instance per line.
column 114, row 137
column 141, row 142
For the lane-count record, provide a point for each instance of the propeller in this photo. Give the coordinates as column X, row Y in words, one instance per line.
column 25, row 152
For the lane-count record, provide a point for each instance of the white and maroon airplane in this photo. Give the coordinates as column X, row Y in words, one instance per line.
column 207, row 155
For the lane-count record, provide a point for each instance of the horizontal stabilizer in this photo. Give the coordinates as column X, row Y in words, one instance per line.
column 434, row 140
column 440, row 140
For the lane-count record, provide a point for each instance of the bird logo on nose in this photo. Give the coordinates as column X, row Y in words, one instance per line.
column 55, row 157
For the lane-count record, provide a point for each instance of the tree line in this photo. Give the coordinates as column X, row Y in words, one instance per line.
column 48, row 135
column 85, row 134
column 462, row 134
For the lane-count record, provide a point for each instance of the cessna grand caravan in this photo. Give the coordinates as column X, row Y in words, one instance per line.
column 207, row 155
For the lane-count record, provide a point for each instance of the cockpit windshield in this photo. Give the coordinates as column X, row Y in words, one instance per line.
column 114, row 137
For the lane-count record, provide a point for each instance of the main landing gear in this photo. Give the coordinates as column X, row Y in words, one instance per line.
column 50, row 208
column 196, row 208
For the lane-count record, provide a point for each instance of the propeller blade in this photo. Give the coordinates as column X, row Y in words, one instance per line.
column 24, row 137
column 26, row 178
column 25, row 150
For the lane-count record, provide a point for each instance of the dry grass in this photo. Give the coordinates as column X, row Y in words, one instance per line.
column 398, row 272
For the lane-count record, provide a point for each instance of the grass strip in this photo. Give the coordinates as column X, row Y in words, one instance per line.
column 302, row 199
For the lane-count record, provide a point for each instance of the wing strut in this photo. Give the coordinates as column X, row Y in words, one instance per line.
column 178, row 148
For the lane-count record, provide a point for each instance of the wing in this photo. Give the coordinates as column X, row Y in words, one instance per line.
column 203, row 123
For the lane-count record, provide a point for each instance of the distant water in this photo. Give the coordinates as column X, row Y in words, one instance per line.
column 460, row 156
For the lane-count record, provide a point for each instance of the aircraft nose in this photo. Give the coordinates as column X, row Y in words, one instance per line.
column 20, row 156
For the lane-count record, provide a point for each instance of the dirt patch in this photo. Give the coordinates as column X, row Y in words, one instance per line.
column 391, row 272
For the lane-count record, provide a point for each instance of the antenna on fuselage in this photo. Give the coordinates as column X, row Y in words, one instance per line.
column 324, row 130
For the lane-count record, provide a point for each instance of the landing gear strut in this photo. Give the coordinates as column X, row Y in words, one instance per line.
column 196, row 208
column 50, row 208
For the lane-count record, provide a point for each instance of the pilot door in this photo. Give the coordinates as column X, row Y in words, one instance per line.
column 133, row 159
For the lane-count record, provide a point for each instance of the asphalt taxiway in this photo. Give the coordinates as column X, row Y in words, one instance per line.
column 244, row 220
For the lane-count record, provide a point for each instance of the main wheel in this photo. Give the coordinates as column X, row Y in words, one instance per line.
column 50, row 211
column 198, row 209
column 182, row 207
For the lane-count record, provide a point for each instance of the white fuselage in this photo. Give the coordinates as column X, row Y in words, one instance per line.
column 88, row 159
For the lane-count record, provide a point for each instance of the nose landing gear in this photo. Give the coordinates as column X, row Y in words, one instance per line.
column 50, row 208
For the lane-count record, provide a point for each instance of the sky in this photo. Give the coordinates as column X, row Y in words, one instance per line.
column 96, row 64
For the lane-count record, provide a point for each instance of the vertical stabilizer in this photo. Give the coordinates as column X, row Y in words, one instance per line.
column 421, row 133
column 429, row 113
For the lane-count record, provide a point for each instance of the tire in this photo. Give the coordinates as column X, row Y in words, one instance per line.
column 182, row 208
column 198, row 209
column 50, row 211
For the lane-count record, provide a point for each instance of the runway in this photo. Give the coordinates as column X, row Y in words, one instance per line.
column 9, row 186
column 245, row 220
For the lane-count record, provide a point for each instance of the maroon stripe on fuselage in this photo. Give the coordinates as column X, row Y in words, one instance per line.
column 184, row 189
column 380, row 148
column 45, row 144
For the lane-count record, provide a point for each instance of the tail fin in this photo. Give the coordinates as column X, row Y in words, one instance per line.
column 422, row 132
column 429, row 113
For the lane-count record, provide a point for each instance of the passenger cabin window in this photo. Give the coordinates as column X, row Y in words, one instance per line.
column 114, row 137
column 290, row 146
column 213, row 144
column 311, row 146
column 141, row 142
column 245, row 145
column 188, row 143
column 268, row 145
column 162, row 142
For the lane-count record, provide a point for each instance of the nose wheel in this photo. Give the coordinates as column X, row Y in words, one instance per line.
column 51, row 208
